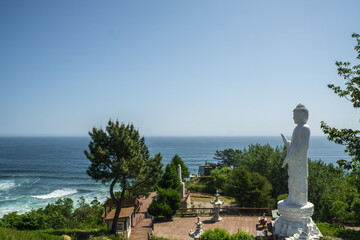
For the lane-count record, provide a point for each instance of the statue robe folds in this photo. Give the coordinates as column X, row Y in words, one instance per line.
column 297, row 160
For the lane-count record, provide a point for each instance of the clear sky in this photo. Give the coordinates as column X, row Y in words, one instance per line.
column 173, row 68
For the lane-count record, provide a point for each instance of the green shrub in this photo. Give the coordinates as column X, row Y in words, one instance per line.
column 161, row 209
column 215, row 234
column 220, row 176
column 59, row 215
column 166, row 204
column 355, row 208
column 241, row 235
column 205, row 184
column 249, row 189
column 10, row 220
column 333, row 230
column 282, row 197
column 88, row 214
column 12, row 234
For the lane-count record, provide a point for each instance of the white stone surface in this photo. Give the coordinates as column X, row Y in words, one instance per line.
column 198, row 232
column 297, row 158
column 182, row 190
column 217, row 207
column 295, row 222
column 295, row 212
column 179, row 172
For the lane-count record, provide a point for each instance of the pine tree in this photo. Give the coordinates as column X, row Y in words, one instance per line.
column 348, row 137
column 119, row 155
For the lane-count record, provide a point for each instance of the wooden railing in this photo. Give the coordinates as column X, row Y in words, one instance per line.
column 237, row 211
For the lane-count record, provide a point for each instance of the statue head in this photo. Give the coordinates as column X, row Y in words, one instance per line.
column 301, row 114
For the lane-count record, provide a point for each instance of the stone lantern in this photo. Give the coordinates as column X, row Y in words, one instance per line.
column 217, row 204
column 198, row 232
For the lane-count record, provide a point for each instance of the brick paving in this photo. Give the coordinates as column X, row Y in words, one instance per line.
column 146, row 202
column 179, row 227
column 139, row 232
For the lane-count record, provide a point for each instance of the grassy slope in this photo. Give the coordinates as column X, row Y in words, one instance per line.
column 12, row 234
column 331, row 230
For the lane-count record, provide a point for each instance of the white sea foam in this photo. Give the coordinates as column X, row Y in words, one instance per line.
column 6, row 185
column 57, row 193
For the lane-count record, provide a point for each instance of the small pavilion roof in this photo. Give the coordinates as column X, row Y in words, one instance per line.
column 125, row 212
column 128, row 202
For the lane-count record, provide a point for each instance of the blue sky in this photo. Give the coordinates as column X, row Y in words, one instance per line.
column 173, row 68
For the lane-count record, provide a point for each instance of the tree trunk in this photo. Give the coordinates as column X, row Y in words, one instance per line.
column 118, row 205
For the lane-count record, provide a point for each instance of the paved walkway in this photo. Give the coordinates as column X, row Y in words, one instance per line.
column 179, row 228
column 140, row 231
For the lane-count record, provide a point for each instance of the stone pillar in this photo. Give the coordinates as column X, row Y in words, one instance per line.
column 182, row 191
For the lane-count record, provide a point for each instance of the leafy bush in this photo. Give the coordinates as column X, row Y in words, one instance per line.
column 249, row 189
column 222, row 234
column 241, row 235
column 333, row 230
column 263, row 159
column 355, row 207
column 159, row 209
column 10, row 234
column 88, row 214
column 220, row 176
column 175, row 162
column 215, row 234
column 282, row 197
column 170, row 178
column 59, row 215
column 205, row 184
column 166, row 204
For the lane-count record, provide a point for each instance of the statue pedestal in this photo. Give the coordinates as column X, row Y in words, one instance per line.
column 295, row 222
column 216, row 217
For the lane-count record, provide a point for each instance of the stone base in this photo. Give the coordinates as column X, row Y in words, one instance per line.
column 216, row 218
column 295, row 222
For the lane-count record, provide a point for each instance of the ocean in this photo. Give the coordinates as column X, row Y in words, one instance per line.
column 37, row 170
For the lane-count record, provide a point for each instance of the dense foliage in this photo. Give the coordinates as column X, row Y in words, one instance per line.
column 169, row 197
column 166, row 204
column 227, row 157
column 204, row 184
column 219, row 178
column 335, row 231
column 11, row 234
column 249, row 189
column 348, row 137
column 120, row 156
column 218, row 233
column 175, row 162
column 264, row 160
column 170, row 178
column 58, row 215
column 331, row 189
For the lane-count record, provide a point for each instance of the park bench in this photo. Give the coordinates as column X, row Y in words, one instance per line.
column 183, row 214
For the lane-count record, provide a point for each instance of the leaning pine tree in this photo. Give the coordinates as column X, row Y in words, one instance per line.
column 119, row 155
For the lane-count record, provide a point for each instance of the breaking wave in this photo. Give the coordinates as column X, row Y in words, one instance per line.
column 57, row 193
column 6, row 185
